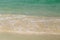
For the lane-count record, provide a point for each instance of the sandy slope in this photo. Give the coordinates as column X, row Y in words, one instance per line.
column 29, row 24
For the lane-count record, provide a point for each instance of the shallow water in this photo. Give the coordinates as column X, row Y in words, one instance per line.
column 31, row 7
column 11, row 36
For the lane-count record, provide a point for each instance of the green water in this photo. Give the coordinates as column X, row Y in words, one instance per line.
column 31, row 7
column 10, row 36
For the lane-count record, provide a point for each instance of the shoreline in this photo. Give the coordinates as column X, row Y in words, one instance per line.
column 32, row 33
column 24, row 24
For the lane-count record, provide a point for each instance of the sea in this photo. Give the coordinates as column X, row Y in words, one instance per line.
column 30, row 7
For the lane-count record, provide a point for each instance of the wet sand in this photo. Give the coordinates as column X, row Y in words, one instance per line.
column 12, row 36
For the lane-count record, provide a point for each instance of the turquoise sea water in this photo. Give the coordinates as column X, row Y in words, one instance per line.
column 31, row 7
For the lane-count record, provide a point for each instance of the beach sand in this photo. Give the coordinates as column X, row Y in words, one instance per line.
column 24, row 24
column 23, row 27
column 12, row 36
